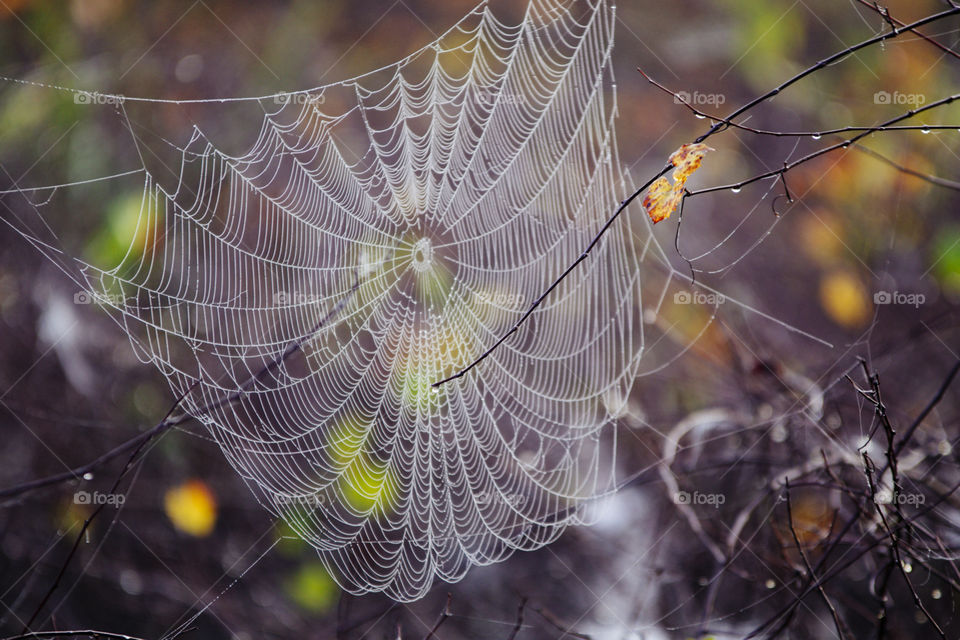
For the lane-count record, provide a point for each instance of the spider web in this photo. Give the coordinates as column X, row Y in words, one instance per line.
column 378, row 235
column 322, row 280
column 381, row 233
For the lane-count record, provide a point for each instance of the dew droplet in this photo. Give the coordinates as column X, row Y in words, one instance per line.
column 735, row 190
column 925, row 130
column 907, row 567
column 816, row 136
column 88, row 476
column 936, row 594
column 700, row 116
column 770, row 584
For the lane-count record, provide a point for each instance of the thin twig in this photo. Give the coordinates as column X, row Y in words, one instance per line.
column 885, row 13
column 895, row 552
column 841, row 628
column 72, row 633
column 519, row 624
column 549, row 616
column 443, row 617
column 934, row 401
column 716, row 128
column 843, row 144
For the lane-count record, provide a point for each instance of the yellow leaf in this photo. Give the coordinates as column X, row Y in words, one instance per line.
column 191, row 508
column 844, row 299
column 662, row 198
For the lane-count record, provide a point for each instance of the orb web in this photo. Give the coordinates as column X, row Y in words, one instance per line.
column 419, row 209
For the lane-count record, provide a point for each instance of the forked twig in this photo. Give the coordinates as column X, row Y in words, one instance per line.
column 716, row 128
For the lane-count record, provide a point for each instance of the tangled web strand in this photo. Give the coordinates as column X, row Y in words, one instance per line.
column 486, row 163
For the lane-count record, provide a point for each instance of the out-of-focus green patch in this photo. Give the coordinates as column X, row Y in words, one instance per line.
column 124, row 233
column 434, row 286
column 312, row 588
column 767, row 36
column 23, row 110
column 345, row 440
column 365, row 483
column 946, row 255
column 70, row 516
column 290, row 544
column 368, row 485
column 147, row 400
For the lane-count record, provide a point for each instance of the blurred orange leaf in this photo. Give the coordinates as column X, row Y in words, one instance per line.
column 662, row 198
column 844, row 299
column 191, row 508
column 11, row 7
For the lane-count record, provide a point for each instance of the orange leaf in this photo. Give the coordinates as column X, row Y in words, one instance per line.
column 662, row 198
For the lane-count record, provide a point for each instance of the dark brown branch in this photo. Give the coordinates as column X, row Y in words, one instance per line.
column 794, row 134
column 934, row 401
column 519, row 624
column 806, row 562
column 820, row 152
column 896, row 556
column 894, row 23
column 941, row 182
column 926, row 177
column 717, row 127
column 443, row 617
column 549, row 616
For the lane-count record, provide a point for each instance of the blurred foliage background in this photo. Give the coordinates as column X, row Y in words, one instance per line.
column 71, row 388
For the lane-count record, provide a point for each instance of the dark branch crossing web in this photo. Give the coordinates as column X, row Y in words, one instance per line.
column 487, row 164
column 411, row 346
